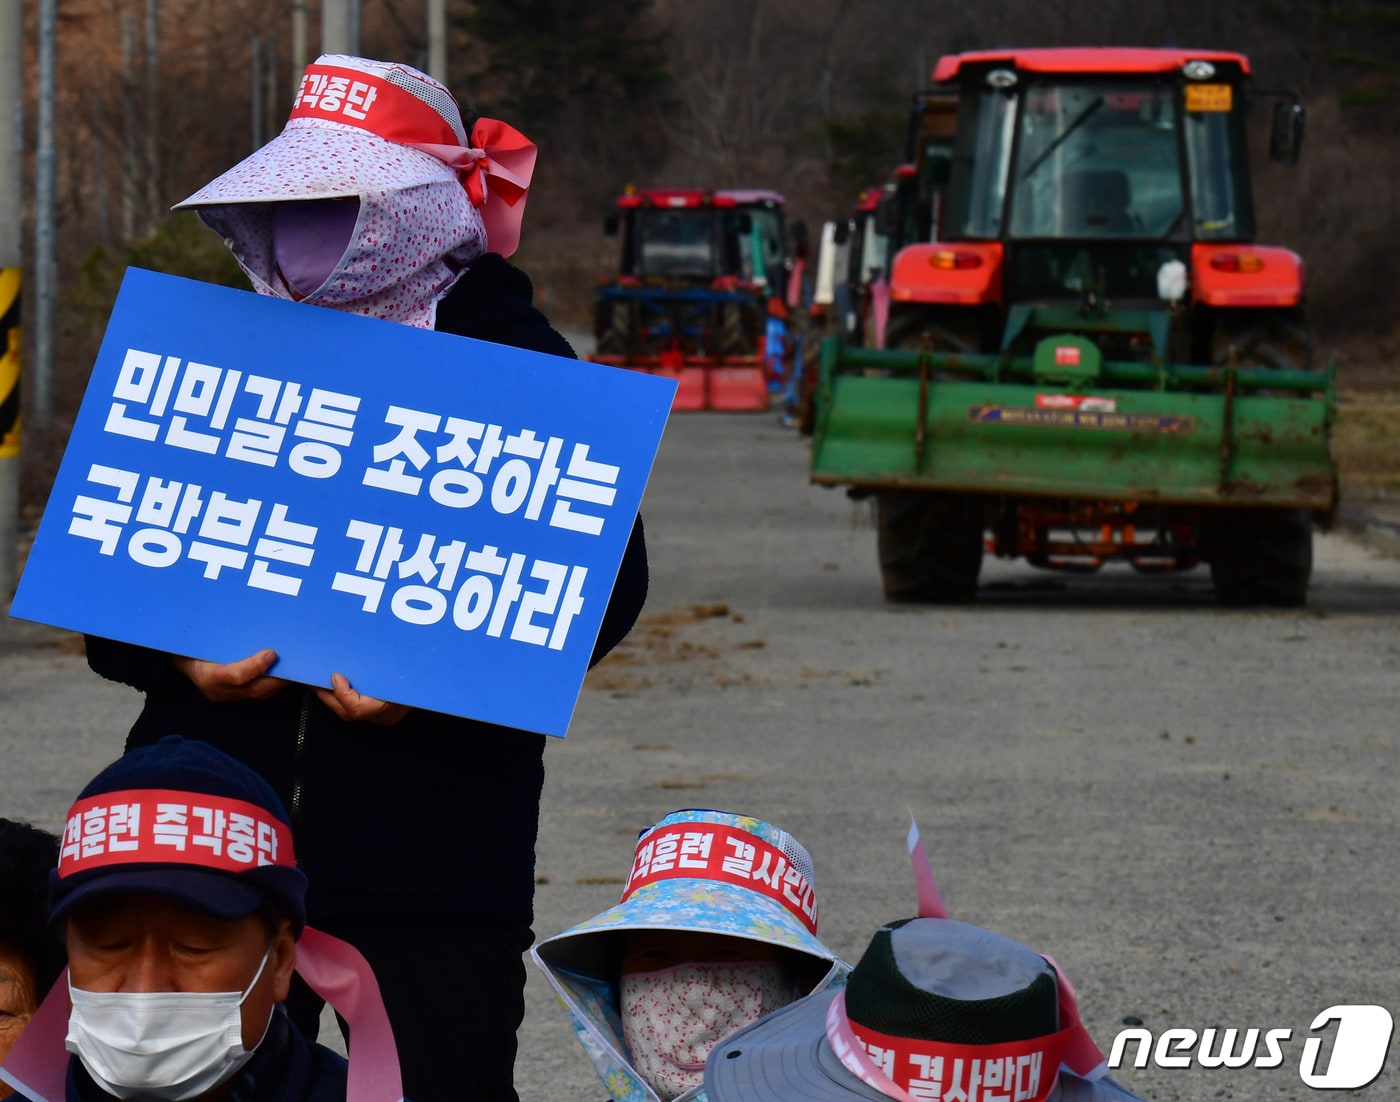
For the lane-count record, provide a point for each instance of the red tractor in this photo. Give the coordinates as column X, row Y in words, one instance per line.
column 1089, row 355
column 690, row 299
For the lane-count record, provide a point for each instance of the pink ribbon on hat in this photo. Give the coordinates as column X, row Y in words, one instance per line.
column 496, row 170
column 930, row 899
column 37, row 1066
column 1081, row 1055
column 337, row 971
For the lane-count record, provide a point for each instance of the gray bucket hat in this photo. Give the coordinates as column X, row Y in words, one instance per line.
column 935, row 1008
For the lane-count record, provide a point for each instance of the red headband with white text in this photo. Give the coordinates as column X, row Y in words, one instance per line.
column 167, row 827
column 495, row 166
column 711, row 851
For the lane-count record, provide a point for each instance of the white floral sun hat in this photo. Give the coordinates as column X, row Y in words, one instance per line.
column 359, row 125
column 432, row 197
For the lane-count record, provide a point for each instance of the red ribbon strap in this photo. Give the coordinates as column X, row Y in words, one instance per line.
column 496, row 170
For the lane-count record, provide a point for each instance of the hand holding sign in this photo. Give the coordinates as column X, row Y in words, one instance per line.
column 222, row 682
column 353, row 707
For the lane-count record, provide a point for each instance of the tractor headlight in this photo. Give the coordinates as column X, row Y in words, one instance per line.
column 1171, row 281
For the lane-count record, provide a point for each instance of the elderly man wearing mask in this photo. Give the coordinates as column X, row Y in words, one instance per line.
column 182, row 906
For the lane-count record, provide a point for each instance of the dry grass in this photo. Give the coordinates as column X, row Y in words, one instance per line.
column 1366, row 442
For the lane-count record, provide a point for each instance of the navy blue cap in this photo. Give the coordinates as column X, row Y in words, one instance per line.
column 187, row 765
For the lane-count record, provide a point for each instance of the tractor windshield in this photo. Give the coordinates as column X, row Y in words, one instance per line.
column 981, row 156
column 1219, row 165
column 1097, row 160
column 676, row 243
column 760, row 240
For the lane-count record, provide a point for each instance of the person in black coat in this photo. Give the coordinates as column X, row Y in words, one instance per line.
column 416, row 829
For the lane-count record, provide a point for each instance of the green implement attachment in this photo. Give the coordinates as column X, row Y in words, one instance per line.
column 1067, row 423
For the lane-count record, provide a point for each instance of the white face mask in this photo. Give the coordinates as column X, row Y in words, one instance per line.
column 673, row 1017
column 164, row 1046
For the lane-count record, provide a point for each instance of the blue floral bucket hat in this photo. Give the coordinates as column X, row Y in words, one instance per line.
column 698, row 871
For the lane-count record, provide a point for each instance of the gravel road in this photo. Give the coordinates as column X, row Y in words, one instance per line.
column 1192, row 809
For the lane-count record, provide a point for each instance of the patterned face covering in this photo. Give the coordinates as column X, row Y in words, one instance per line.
column 403, row 252
column 309, row 238
column 673, row 1017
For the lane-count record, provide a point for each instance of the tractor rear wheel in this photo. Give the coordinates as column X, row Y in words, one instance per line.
column 1260, row 557
column 1263, row 338
column 612, row 329
column 930, row 546
column 738, row 332
column 954, row 330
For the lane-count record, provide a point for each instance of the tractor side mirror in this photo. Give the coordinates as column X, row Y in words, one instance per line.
column 842, row 233
column 1286, row 133
column 798, row 232
column 610, row 225
column 887, row 216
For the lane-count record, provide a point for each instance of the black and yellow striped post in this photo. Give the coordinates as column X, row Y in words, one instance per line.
column 10, row 279
column 12, row 89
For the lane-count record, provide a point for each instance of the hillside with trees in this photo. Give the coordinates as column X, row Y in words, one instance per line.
column 808, row 96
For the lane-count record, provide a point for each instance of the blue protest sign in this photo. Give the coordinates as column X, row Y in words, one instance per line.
column 439, row 519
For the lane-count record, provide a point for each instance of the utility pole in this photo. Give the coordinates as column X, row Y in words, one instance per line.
column 437, row 40
column 299, row 58
column 153, row 211
column 827, row 150
column 128, row 130
column 271, row 92
column 99, row 174
column 11, row 270
column 335, row 27
column 257, row 82
column 45, row 173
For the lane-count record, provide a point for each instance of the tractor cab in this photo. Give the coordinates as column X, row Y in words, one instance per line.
column 1084, row 177
column 696, row 237
column 754, row 222
column 911, row 211
column 690, row 297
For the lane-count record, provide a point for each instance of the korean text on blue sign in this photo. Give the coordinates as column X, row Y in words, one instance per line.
column 438, row 518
